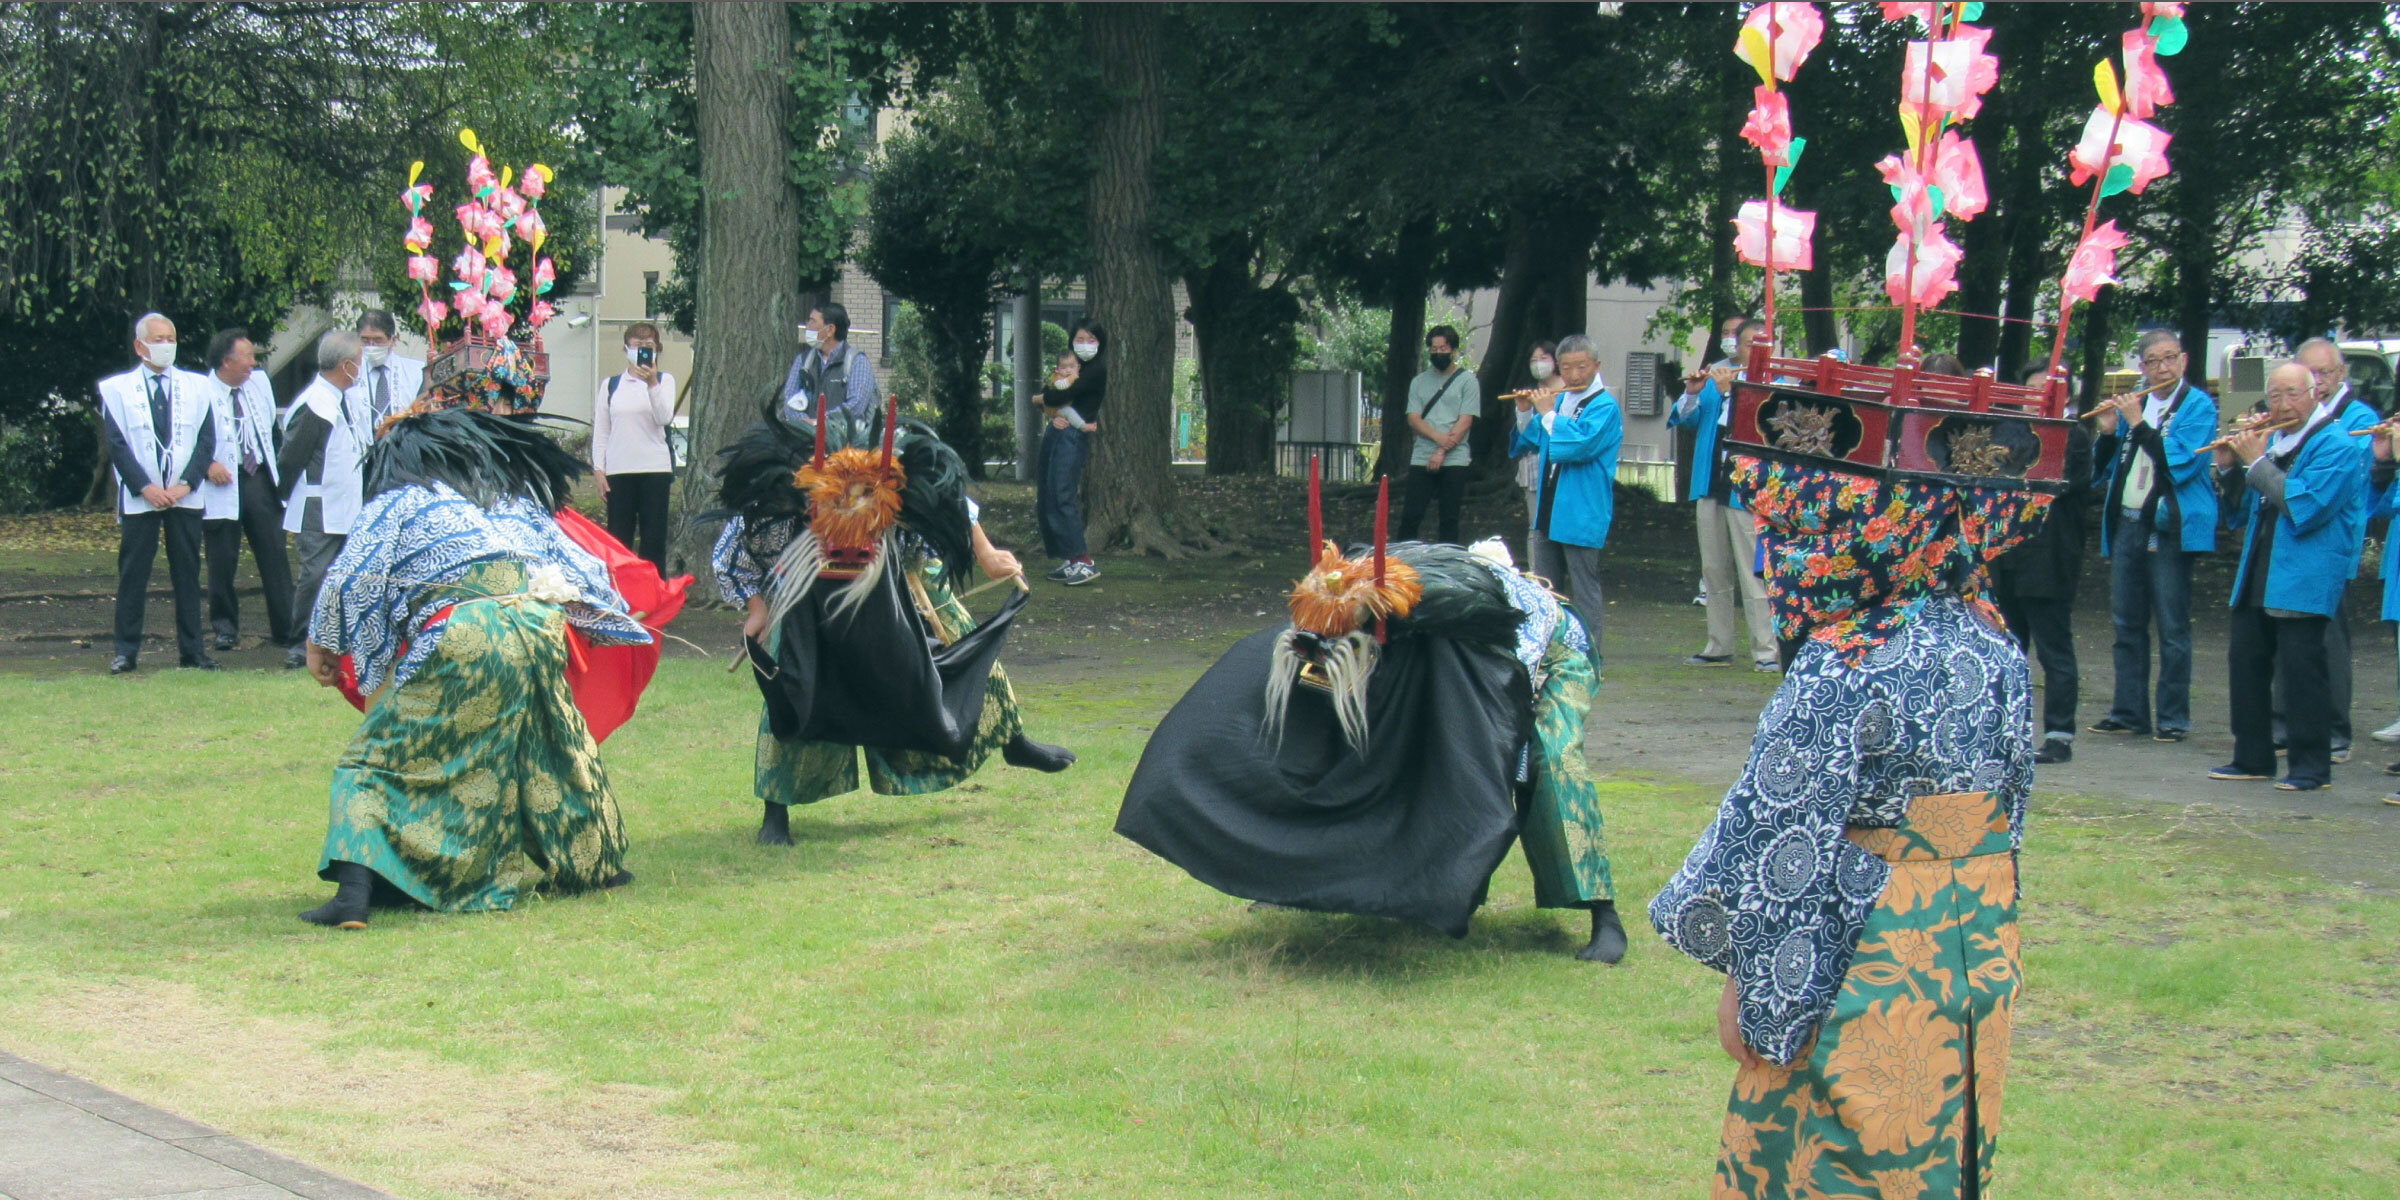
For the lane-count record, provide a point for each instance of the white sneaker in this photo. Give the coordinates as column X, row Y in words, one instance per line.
column 2389, row 733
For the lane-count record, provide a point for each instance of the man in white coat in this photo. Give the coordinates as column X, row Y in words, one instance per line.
column 161, row 439
column 387, row 382
column 239, row 498
column 325, row 439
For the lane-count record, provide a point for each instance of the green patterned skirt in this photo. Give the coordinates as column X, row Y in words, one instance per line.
column 804, row 772
column 1564, row 842
column 477, row 780
column 1899, row 1098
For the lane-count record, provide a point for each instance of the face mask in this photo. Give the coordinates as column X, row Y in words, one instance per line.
column 1087, row 351
column 1729, row 345
column 633, row 355
column 374, row 356
column 1441, row 362
column 808, row 337
column 159, row 354
column 1542, row 368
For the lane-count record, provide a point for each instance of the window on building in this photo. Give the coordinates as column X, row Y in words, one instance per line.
column 650, row 294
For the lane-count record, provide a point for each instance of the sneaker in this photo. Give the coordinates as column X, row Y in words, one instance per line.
column 1767, row 668
column 2342, row 755
column 2391, row 768
column 2293, row 783
column 202, row 663
column 2232, row 773
column 2393, row 800
column 2389, row 733
column 1081, row 573
column 224, row 644
column 2111, row 725
column 2170, row 735
column 2055, row 750
column 123, row 665
column 296, row 658
column 1059, row 574
column 1709, row 660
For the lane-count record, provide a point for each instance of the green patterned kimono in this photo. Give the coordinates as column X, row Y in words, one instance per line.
column 1563, row 838
column 476, row 779
column 1915, row 1053
column 804, row 772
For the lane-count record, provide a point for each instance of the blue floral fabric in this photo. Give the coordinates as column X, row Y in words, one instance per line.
column 408, row 550
column 1774, row 894
column 1544, row 614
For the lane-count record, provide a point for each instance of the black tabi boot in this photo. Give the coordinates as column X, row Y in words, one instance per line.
column 348, row 908
column 1022, row 751
column 1608, row 935
column 775, row 829
column 618, row 880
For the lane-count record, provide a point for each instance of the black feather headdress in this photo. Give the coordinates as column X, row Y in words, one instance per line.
column 481, row 456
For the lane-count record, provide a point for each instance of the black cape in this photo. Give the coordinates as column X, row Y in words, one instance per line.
column 877, row 676
column 1414, row 831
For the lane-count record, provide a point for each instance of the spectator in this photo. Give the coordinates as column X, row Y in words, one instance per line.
column 1577, row 434
column 388, row 382
column 2157, row 510
column 2300, row 496
column 1442, row 403
column 1730, row 583
column 1544, row 369
column 630, row 461
column 2034, row 587
column 325, row 437
column 1071, row 406
column 160, row 431
column 830, row 366
column 239, row 498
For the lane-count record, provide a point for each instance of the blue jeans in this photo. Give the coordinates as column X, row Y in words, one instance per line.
column 2145, row 582
column 1058, row 507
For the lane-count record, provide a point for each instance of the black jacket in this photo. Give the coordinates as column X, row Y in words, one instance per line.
column 2048, row 565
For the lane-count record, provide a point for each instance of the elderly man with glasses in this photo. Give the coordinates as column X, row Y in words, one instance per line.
column 2157, row 510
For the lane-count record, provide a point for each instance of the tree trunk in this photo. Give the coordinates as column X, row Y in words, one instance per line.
column 1544, row 296
column 2195, row 278
column 962, row 338
column 750, row 238
column 1818, row 326
column 1411, row 277
column 1245, row 342
column 1129, row 495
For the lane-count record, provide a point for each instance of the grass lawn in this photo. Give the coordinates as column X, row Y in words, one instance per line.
column 987, row 993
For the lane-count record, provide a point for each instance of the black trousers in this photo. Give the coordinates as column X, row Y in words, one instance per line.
column 137, row 551
column 2337, row 675
column 2045, row 628
column 1450, row 483
column 261, row 522
column 637, row 508
column 2266, row 651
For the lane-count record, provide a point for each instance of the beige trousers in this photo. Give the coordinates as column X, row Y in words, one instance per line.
column 1728, row 551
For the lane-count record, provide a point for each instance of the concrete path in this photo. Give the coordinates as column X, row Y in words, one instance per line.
column 64, row 1139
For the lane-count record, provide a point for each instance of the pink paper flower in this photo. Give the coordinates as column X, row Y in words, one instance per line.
column 2094, row 264
column 470, row 303
column 541, row 314
column 1770, row 126
column 508, row 204
column 534, row 183
column 496, row 319
column 544, row 276
column 434, row 312
column 2146, row 87
column 424, row 269
column 1954, row 83
column 420, row 234
column 1792, row 242
column 1912, row 207
column 529, row 225
column 416, row 197
column 469, row 215
column 1792, row 31
column 1959, row 173
column 504, row 284
column 1934, row 275
column 467, row 268
column 1902, row 12
column 2139, row 145
column 480, row 179
column 2163, row 10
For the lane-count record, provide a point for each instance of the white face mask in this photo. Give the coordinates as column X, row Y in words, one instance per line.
column 1542, row 368
column 808, row 337
column 159, row 354
column 374, row 356
column 1087, row 350
column 1729, row 345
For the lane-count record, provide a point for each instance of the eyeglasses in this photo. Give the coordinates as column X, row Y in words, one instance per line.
column 2154, row 360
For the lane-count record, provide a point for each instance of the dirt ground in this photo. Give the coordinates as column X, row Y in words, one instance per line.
column 1654, row 716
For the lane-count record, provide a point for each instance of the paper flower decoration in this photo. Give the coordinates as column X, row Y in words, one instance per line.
column 2139, row 152
column 503, row 284
column 1903, row 12
column 433, row 312
column 2094, row 264
column 2146, row 89
column 530, row 228
column 1770, row 126
column 1958, row 175
column 509, row 204
column 1933, row 275
column 545, row 276
column 1948, row 78
column 467, row 268
column 536, row 181
column 541, row 314
column 496, row 319
column 420, row 235
column 424, row 269
column 1791, row 237
column 1777, row 38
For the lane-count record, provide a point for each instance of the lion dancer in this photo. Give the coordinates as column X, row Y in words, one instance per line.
column 1378, row 756
column 847, row 564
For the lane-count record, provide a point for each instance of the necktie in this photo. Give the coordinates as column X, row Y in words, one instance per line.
column 383, row 393
column 250, row 458
column 162, row 419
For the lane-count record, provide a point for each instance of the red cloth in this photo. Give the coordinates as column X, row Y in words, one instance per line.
column 607, row 680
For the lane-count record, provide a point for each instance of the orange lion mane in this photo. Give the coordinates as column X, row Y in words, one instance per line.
column 853, row 500
column 1339, row 595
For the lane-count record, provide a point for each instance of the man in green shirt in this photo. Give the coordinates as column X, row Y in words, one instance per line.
column 1442, row 403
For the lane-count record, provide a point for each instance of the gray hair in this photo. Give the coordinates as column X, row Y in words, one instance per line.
column 1576, row 343
column 2156, row 337
column 336, row 348
column 141, row 324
